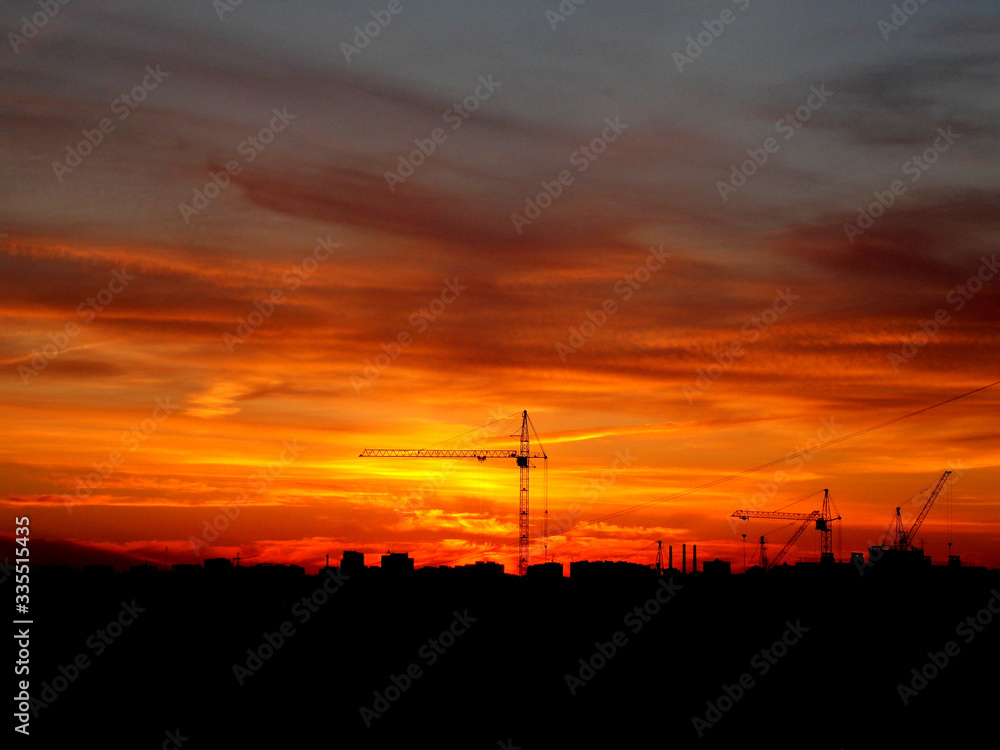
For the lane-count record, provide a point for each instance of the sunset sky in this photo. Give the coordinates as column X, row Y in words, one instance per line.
column 227, row 266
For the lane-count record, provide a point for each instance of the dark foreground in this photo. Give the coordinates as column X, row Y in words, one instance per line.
column 800, row 659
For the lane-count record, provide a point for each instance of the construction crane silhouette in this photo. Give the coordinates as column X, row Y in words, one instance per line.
column 238, row 558
column 824, row 523
column 764, row 564
column 825, row 527
column 903, row 540
column 807, row 518
column 522, row 456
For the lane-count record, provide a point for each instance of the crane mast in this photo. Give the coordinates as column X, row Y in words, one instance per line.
column 826, row 530
column 522, row 504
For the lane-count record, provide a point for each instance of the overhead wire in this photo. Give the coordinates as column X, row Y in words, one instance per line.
column 777, row 461
column 751, row 470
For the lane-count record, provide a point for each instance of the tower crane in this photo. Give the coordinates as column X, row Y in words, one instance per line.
column 522, row 455
column 903, row 540
column 824, row 523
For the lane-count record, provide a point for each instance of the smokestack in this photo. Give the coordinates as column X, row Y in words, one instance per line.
column 670, row 554
column 684, row 559
column 694, row 559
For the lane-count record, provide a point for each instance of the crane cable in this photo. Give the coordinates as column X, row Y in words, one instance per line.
column 474, row 429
